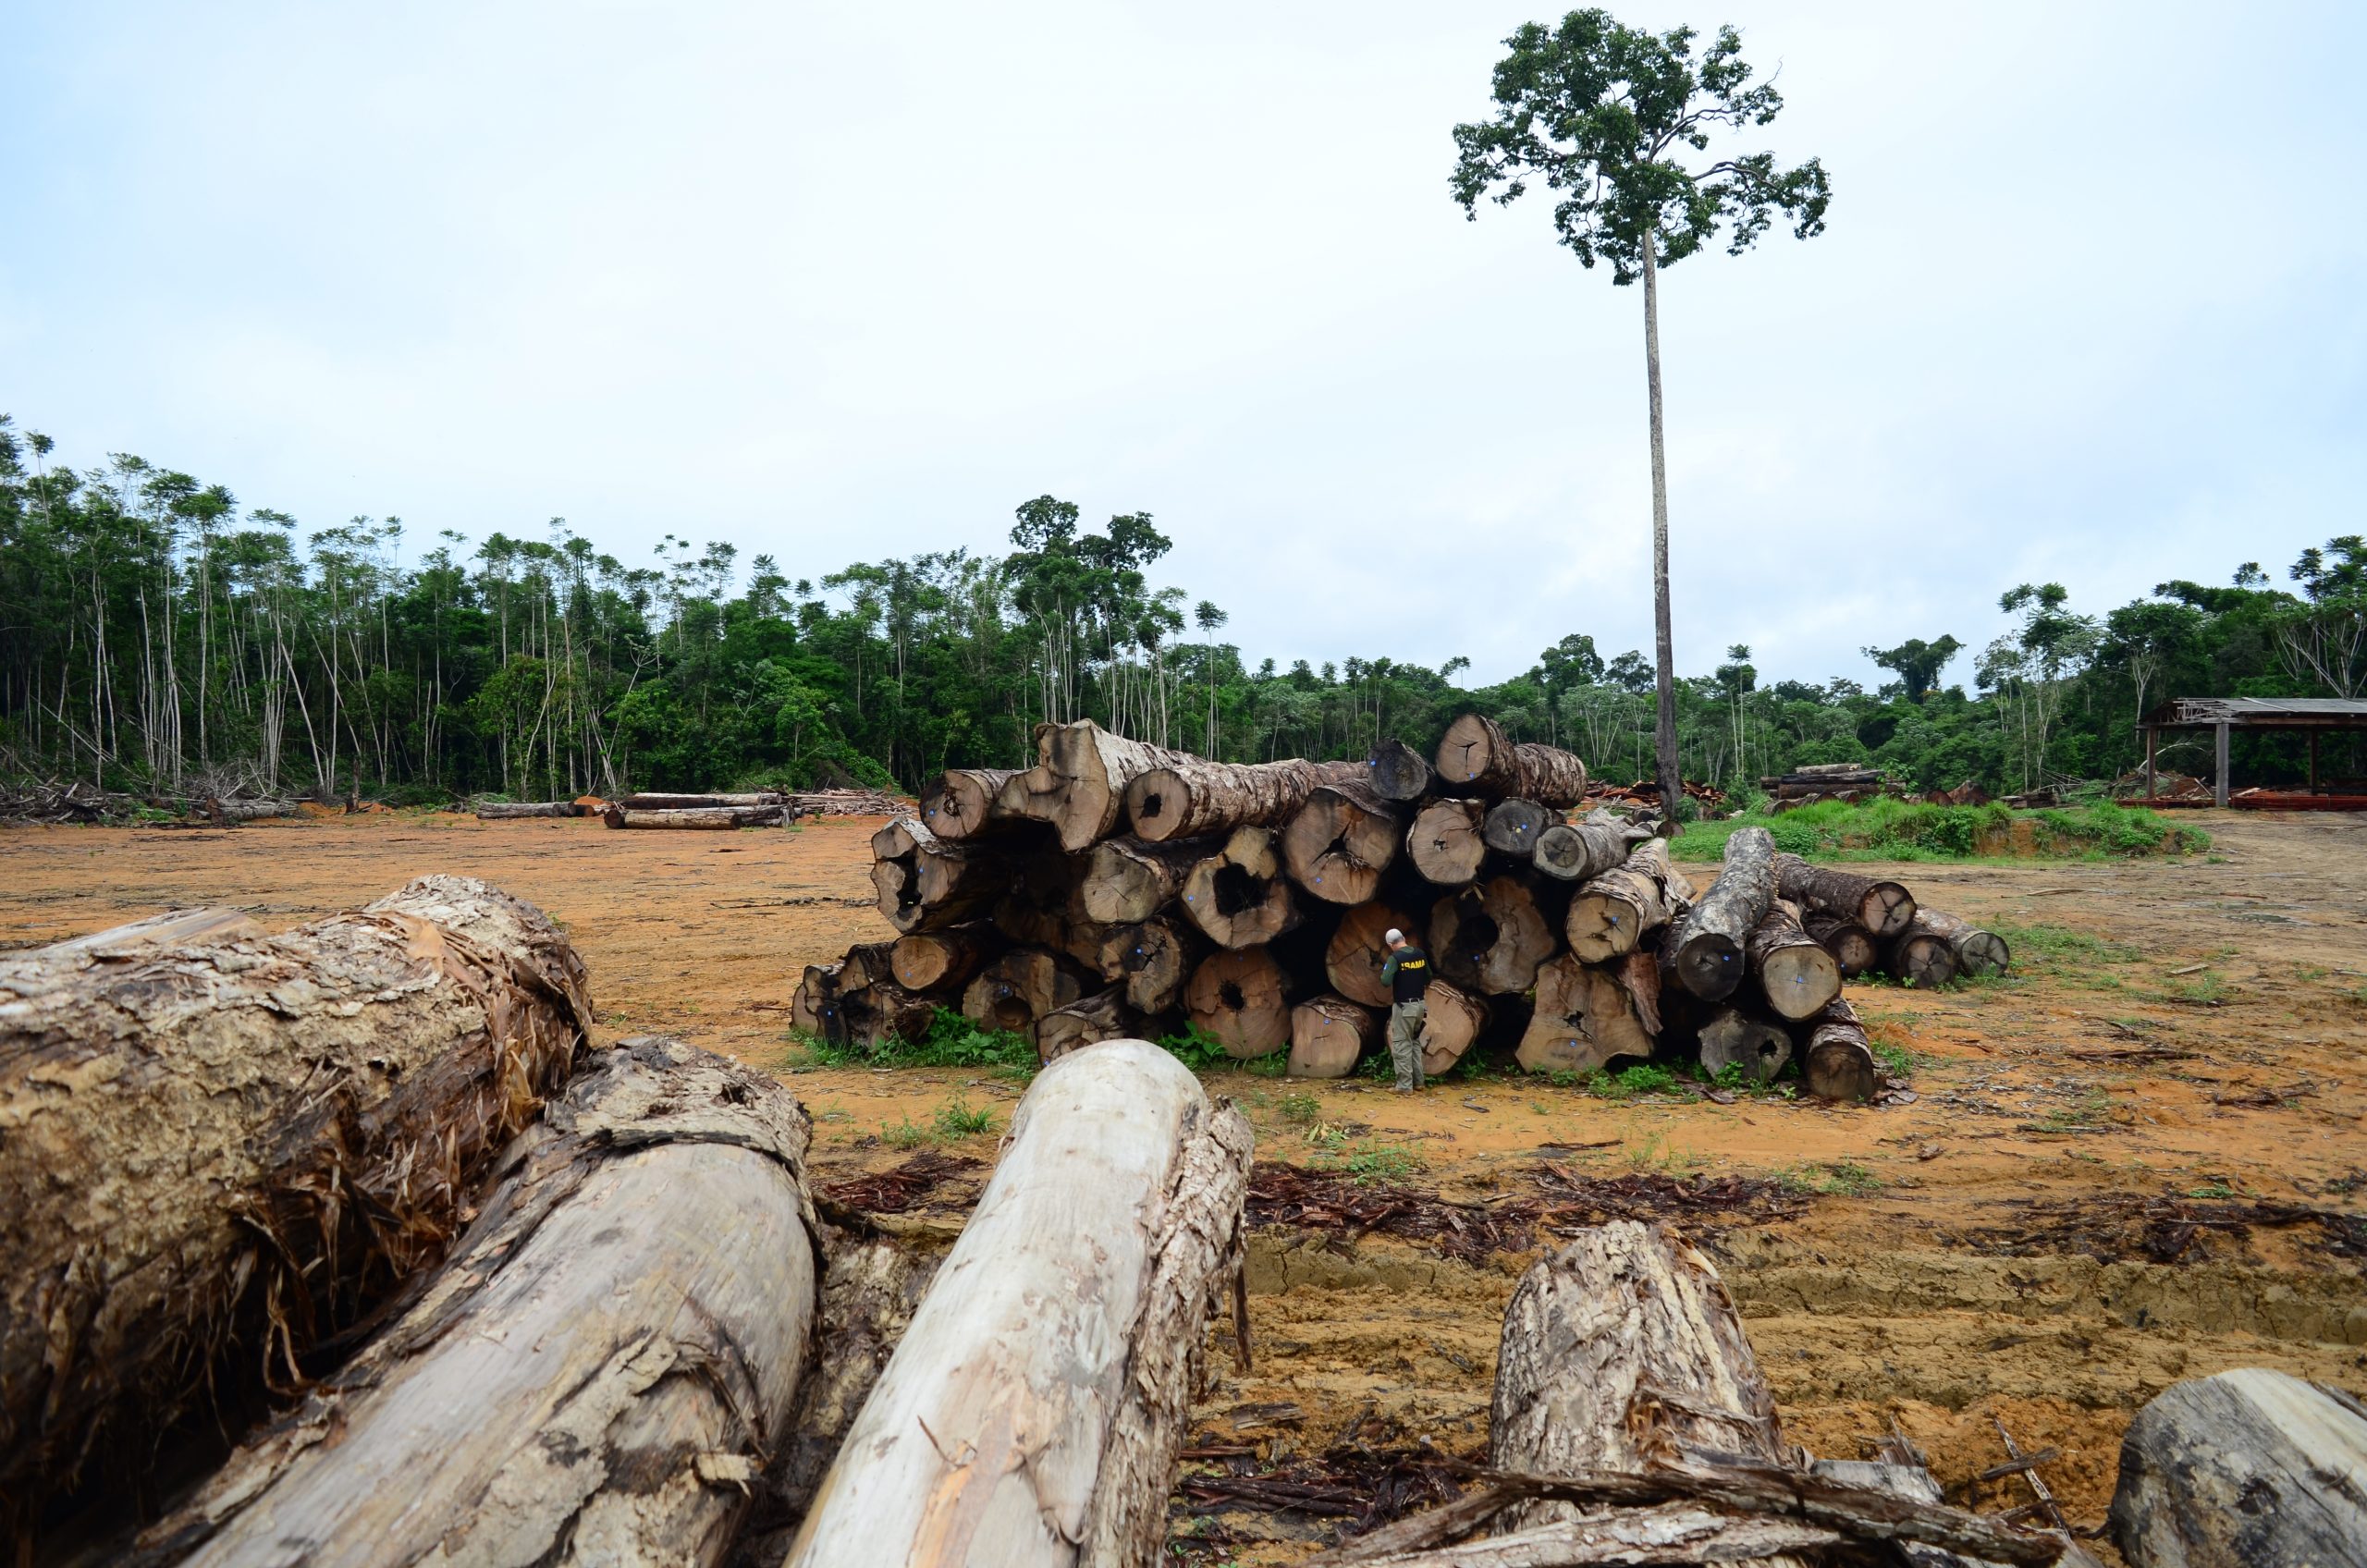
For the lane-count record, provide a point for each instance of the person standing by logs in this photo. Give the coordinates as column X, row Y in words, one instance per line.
column 1406, row 972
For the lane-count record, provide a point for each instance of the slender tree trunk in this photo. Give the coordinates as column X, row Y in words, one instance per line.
column 1663, row 648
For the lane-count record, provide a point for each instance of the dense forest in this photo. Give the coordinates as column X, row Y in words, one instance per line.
column 160, row 637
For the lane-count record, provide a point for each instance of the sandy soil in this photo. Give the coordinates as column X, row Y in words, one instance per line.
column 2189, row 1031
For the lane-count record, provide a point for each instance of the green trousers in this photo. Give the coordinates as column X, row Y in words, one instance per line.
column 1408, row 1021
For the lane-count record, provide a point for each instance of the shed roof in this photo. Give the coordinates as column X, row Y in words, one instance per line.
column 2260, row 712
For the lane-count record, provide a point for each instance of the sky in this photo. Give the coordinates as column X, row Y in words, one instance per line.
column 846, row 282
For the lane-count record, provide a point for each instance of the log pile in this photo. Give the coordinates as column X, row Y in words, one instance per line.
column 1115, row 889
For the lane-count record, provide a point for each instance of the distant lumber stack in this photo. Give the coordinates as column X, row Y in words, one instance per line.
column 1120, row 890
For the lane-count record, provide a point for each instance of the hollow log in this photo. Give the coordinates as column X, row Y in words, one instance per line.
column 1242, row 997
column 1795, row 975
column 2248, row 1467
column 1976, row 952
column 1584, row 1018
column 1612, row 910
column 1328, row 1035
column 1152, row 961
column 1705, row 944
column 1239, row 897
column 960, row 803
column 1079, row 781
column 1852, row 946
column 608, row 1356
column 1399, row 772
column 703, row 819
column 1194, row 797
column 1457, row 1017
column 1476, row 754
column 1015, row 991
column 1513, row 827
column 1732, row 1038
column 1447, row 841
column 1921, row 958
column 1125, row 881
column 942, row 961
column 1491, row 935
column 1886, row 909
column 1342, row 840
column 1033, row 1415
column 241, row 1143
column 1086, row 1021
column 700, row 803
column 1621, row 1351
column 1352, row 960
column 1836, row 1059
column 511, row 811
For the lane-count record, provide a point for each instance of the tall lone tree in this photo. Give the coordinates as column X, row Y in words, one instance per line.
column 1609, row 116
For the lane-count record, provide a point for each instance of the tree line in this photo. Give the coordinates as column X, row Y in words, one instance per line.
column 160, row 638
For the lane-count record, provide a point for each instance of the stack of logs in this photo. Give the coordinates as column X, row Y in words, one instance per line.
column 1253, row 901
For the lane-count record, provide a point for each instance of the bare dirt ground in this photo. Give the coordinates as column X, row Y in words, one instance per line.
column 2142, row 1159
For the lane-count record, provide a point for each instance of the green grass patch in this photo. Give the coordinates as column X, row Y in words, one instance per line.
column 1892, row 830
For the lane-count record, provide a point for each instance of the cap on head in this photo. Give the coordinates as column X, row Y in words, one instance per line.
column 1393, row 937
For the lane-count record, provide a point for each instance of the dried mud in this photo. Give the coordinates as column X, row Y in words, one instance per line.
column 2143, row 1159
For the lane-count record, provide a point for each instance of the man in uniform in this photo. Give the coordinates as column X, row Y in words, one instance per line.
column 1407, row 973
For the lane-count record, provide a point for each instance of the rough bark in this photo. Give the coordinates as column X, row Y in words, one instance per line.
column 1342, row 840
column 1921, row 958
column 962, row 803
column 1086, row 1021
column 1242, row 997
column 1514, row 827
column 1015, row 991
column 1195, row 797
column 1328, row 1035
column 1476, row 754
column 1977, row 952
column 1353, row 959
column 594, row 1377
column 1447, row 841
column 219, row 1152
column 1705, row 945
column 1399, row 773
column 1127, row 881
column 1033, row 1412
column 1152, row 961
column 703, row 819
column 1837, row 1061
column 1584, row 1018
column 1455, row 1022
column 1612, row 910
column 1079, row 781
column 2248, row 1469
column 1491, row 935
column 1239, row 897
column 1886, row 909
column 1852, row 946
column 700, row 803
column 1733, row 1038
column 942, row 961
column 509, row 811
column 926, row 884
column 1577, row 852
column 1795, row 975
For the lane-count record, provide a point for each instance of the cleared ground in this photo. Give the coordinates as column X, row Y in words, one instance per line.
column 2142, row 1160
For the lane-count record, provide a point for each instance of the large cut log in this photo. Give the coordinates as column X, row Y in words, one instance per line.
column 1457, row 1019
column 925, row 883
column 1753, row 1047
column 611, row 1354
column 1448, row 841
column 1476, row 754
column 1086, row 1021
column 1976, row 952
column 1126, row 881
column 1795, row 975
column 1836, row 1059
column 1016, row 991
column 1490, row 935
column 1193, row 796
column 1079, row 781
column 1359, row 946
column 1886, row 909
column 230, row 1148
column 960, row 803
column 1328, row 1035
column 1152, row 961
column 700, row 803
column 1243, row 999
column 1239, row 896
column 1584, row 1018
column 1852, row 946
column 1341, row 841
column 512, row 811
column 1612, row 910
column 1577, row 852
column 942, row 961
column 1921, row 958
column 703, row 819
column 1033, row 1415
column 2248, row 1469
column 1514, row 827
column 1705, row 944
column 1399, row 772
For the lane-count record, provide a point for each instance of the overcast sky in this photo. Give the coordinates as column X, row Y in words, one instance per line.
column 847, row 282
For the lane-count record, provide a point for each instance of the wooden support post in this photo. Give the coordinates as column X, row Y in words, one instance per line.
column 2219, row 784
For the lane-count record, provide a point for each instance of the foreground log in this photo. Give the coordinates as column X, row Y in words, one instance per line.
column 700, row 803
column 1923, row 958
column 1448, row 841
column 1795, row 975
column 512, row 811
column 925, row 883
column 1852, row 946
column 960, row 803
column 1194, row 796
column 245, row 1142
column 1127, row 881
column 940, row 960
column 1033, row 1412
column 1612, row 910
column 1342, row 840
column 1753, row 1047
column 1079, row 781
column 605, row 1360
column 1975, row 950
column 1476, row 754
column 1836, row 1059
column 1359, row 946
column 1018, row 989
column 1086, row 1021
column 1457, row 1019
column 1490, row 935
column 704, row 819
column 1239, row 897
column 1328, row 1036
column 1584, row 1018
column 1577, row 852
column 1152, row 961
column 1243, row 999
column 1399, row 772
column 2248, row 1469
column 1704, row 949
column 1886, row 909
